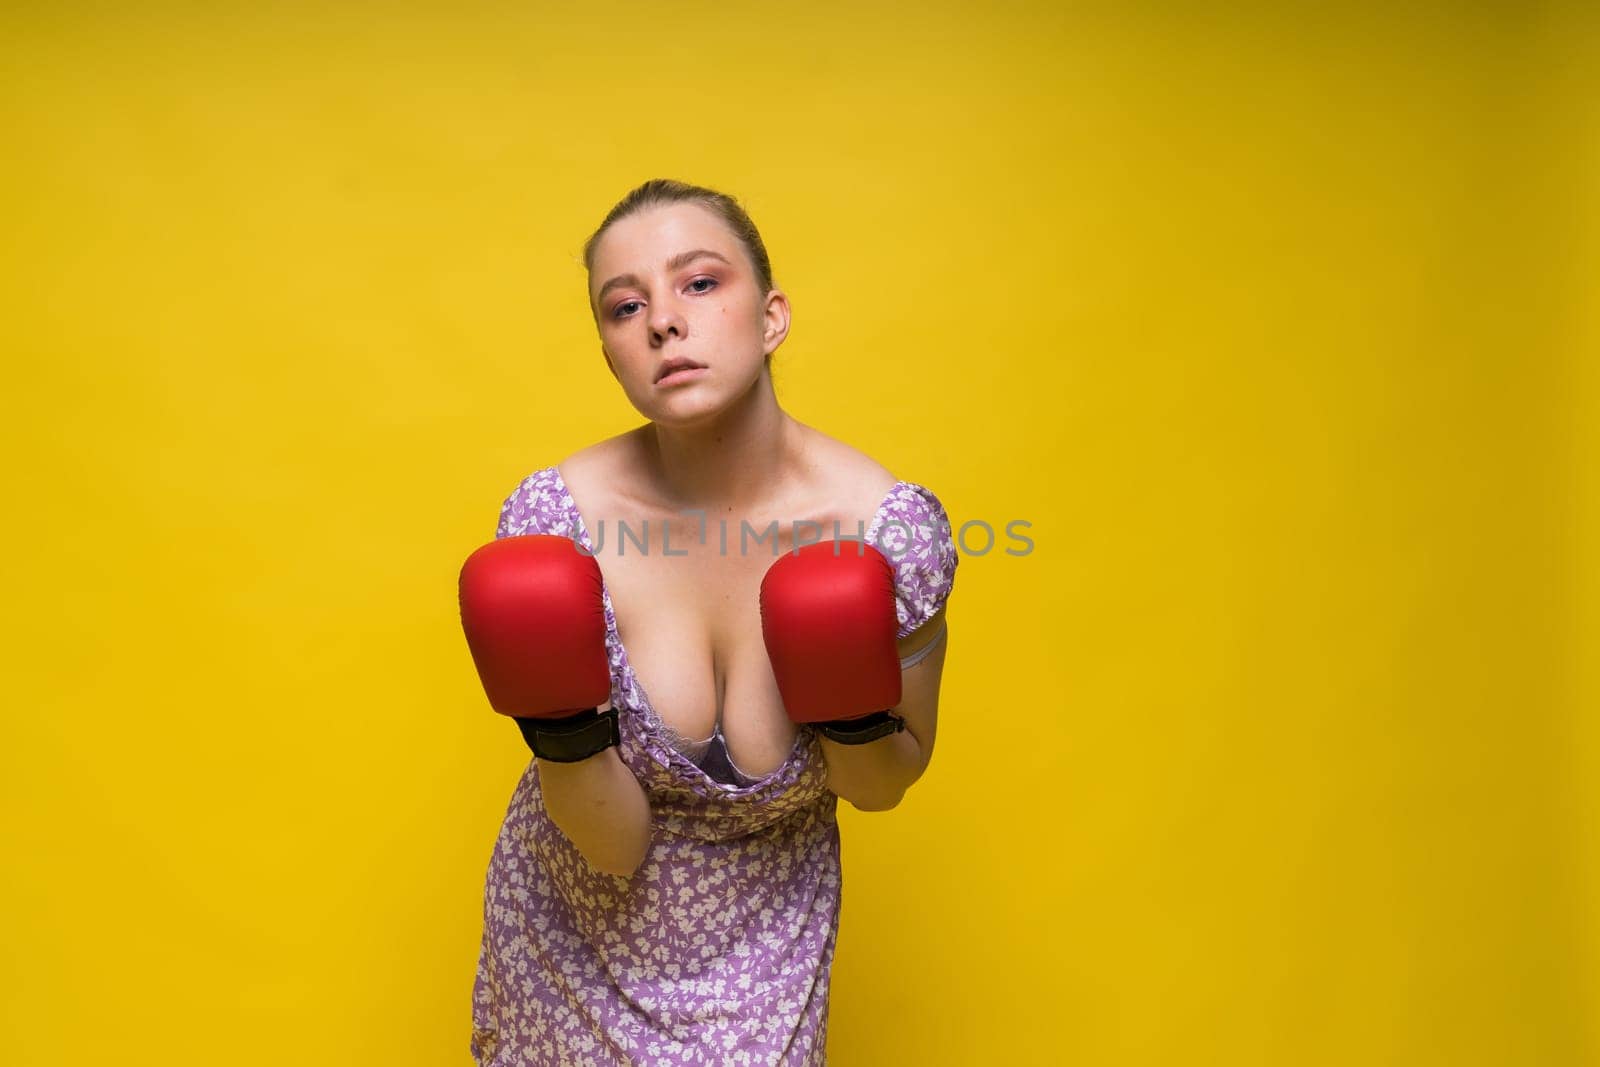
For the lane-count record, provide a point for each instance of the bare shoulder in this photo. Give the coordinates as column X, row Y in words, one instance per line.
column 854, row 479
column 607, row 469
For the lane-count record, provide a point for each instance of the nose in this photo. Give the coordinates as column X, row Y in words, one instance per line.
column 667, row 321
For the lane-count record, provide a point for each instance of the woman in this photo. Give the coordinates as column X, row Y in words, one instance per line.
column 671, row 892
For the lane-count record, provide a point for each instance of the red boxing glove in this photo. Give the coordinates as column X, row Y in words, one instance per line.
column 828, row 619
column 533, row 611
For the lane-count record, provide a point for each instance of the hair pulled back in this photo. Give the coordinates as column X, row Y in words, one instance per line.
column 658, row 192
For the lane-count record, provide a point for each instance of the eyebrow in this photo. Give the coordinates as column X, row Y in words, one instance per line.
column 677, row 262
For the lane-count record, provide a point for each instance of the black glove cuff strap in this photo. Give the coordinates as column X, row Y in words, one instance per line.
column 573, row 738
column 860, row 731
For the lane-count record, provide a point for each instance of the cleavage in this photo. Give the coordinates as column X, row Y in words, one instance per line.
column 698, row 660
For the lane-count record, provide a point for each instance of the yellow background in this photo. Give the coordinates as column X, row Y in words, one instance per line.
column 1277, row 324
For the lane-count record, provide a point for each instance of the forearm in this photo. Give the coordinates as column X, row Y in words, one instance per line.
column 601, row 808
column 873, row 776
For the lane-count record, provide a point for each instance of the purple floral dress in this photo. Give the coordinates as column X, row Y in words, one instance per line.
column 718, row 949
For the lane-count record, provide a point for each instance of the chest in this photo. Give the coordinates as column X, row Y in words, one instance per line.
column 686, row 594
column 691, row 625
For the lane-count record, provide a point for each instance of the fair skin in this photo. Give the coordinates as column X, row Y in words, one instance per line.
column 716, row 441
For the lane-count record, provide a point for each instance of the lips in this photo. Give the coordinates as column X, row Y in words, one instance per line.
column 676, row 363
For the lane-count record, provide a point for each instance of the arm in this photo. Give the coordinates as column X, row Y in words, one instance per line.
column 601, row 808
column 875, row 776
column 533, row 611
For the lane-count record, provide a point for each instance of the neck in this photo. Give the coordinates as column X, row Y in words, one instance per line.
column 736, row 459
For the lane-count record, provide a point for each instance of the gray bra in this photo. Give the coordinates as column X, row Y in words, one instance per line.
column 719, row 765
column 715, row 760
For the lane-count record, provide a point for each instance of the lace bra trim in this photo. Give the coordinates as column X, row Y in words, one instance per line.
column 709, row 753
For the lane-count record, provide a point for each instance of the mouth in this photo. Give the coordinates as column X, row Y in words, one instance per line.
column 674, row 366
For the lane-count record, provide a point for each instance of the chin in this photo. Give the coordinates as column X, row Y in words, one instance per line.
column 687, row 411
column 683, row 419
column 691, row 405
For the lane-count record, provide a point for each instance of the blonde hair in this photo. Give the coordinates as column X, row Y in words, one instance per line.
column 660, row 191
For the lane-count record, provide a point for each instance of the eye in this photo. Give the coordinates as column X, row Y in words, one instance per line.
column 621, row 312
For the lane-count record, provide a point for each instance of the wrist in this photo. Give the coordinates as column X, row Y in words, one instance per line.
column 862, row 729
column 572, row 738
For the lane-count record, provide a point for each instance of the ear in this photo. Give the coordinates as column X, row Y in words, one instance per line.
column 775, row 321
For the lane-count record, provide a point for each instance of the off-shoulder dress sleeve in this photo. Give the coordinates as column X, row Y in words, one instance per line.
column 540, row 504
column 912, row 529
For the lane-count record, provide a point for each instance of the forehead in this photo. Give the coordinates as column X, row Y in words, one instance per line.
column 646, row 240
